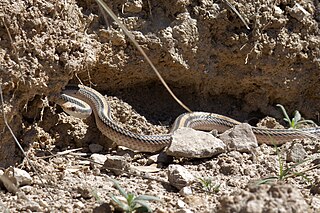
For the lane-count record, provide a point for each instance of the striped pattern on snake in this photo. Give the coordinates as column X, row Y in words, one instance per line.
column 80, row 100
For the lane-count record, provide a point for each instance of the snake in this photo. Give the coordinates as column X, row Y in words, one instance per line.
column 80, row 101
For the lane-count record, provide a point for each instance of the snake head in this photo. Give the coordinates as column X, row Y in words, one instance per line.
column 76, row 110
column 74, row 106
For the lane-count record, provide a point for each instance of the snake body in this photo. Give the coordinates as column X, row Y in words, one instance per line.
column 80, row 100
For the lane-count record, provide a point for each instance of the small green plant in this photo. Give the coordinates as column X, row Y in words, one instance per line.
column 297, row 120
column 208, row 186
column 96, row 196
column 286, row 171
column 132, row 202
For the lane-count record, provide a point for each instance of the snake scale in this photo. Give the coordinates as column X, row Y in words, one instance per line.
column 81, row 100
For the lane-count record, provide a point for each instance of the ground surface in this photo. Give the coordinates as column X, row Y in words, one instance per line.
column 76, row 184
column 206, row 54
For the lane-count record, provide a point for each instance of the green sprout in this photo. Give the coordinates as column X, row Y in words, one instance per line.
column 133, row 203
column 286, row 172
column 297, row 120
column 208, row 186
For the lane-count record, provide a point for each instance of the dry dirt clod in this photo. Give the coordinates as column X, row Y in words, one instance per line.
column 270, row 123
column 161, row 158
column 296, row 153
column 184, row 211
column 276, row 196
column 179, row 176
column 23, row 177
column 117, row 164
column 240, row 138
column 189, row 143
column 98, row 158
column 186, row 191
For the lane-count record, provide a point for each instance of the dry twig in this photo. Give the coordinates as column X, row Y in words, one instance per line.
column 131, row 37
column 236, row 12
column 17, row 142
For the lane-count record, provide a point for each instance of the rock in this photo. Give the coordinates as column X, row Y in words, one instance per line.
column 152, row 159
column 67, row 207
column 9, row 182
column 296, row 153
column 133, row 6
column 98, row 158
column 228, row 168
column 298, row 12
column 23, row 178
column 181, row 204
column 265, row 198
column 12, row 178
column 315, row 203
column 117, row 164
column 195, row 201
column 185, row 191
column 95, row 148
column 162, row 157
column 240, row 138
column 161, row 210
column 84, row 191
column 103, row 208
column 27, row 189
column 254, row 206
column 179, row 176
column 290, row 196
column 190, row 143
column 277, row 11
column 147, row 169
column 270, row 123
column 184, row 211
column 33, row 207
column 44, row 204
column 79, row 205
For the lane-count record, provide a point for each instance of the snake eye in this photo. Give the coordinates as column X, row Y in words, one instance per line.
column 72, row 108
